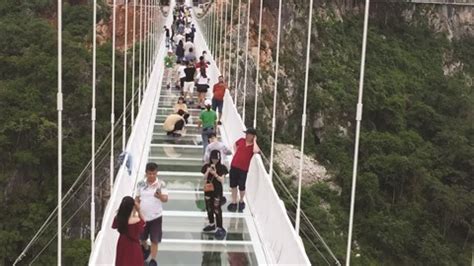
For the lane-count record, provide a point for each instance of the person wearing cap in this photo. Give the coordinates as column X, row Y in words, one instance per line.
column 207, row 120
column 174, row 123
column 181, row 105
column 244, row 149
column 214, row 173
column 170, row 60
column 215, row 144
column 218, row 97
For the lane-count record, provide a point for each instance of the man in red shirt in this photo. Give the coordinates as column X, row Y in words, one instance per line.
column 218, row 98
column 244, row 150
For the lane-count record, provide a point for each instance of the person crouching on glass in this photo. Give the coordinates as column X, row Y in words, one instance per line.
column 214, row 174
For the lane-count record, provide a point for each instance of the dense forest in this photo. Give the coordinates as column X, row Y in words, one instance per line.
column 415, row 200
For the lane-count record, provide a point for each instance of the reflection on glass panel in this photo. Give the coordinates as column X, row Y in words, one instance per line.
column 191, row 228
column 240, row 256
column 188, row 202
column 176, row 152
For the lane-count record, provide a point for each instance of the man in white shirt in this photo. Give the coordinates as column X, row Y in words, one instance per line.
column 188, row 44
column 151, row 193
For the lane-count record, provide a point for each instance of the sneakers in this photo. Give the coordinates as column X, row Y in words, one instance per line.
column 241, row 206
column 223, row 200
column 209, row 228
column 220, row 234
column 232, row 207
column 219, row 123
column 152, row 263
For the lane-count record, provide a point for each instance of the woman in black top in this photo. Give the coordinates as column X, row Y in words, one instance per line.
column 214, row 173
column 180, row 51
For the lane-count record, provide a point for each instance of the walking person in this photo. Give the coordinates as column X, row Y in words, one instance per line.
column 193, row 32
column 170, row 60
column 202, row 85
column 180, row 52
column 130, row 223
column 215, row 144
column 167, row 36
column 218, row 91
column 151, row 194
column 190, row 75
column 182, row 75
column 214, row 174
column 190, row 56
column 207, row 119
column 244, row 149
column 202, row 63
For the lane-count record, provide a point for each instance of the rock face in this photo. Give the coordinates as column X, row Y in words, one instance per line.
column 288, row 157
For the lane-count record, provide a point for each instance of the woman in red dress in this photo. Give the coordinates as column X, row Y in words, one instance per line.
column 130, row 226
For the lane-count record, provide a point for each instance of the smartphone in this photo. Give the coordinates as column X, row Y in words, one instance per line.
column 158, row 191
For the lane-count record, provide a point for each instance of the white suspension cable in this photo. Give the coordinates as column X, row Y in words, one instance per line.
column 236, row 87
column 125, row 58
column 303, row 117
column 230, row 42
column 357, row 133
column 258, row 65
column 224, row 70
column 112, row 112
column 93, row 119
column 275, row 90
column 140, row 78
column 60, row 128
column 145, row 43
column 221, row 32
column 246, row 60
column 133, row 59
column 214, row 33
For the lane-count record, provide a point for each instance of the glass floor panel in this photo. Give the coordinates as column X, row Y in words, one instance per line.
column 175, row 227
column 192, row 119
column 176, row 152
column 188, row 183
column 189, row 202
column 242, row 257
column 169, row 110
column 183, row 140
column 189, row 129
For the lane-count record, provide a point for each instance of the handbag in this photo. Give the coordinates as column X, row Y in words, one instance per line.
column 209, row 187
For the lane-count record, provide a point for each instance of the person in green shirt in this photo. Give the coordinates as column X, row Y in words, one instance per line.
column 170, row 60
column 208, row 121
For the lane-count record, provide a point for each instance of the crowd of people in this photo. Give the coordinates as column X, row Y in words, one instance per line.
column 139, row 220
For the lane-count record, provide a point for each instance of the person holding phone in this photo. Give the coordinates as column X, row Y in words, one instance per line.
column 151, row 194
column 130, row 223
column 214, row 174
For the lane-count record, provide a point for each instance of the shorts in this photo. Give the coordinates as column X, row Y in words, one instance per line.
column 188, row 86
column 238, row 178
column 217, row 105
column 154, row 230
column 202, row 88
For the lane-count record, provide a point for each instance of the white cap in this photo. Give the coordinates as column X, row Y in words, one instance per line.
column 207, row 102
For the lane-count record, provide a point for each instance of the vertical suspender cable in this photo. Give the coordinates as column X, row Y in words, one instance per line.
column 236, row 88
column 357, row 135
column 125, row 58
column 224, row 70
column 258, row 65
column 147, row 38
column 214, row 32
column 218, row 26
column 221, row 33
column 303, row 117
column 93, row 118
column 246, row 61
column 112, row 109
column 145, row 42
column 230, row 41
column 60, row 128
column 275, row 90
column 140, row 38
column 133, row 60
